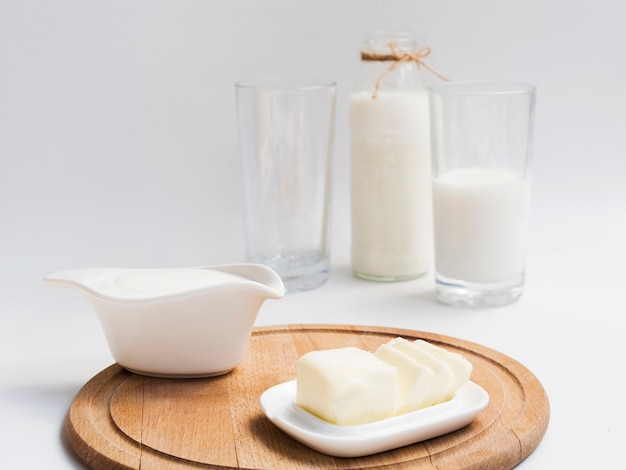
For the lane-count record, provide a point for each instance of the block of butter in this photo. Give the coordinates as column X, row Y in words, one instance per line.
column 346, row 386
column 350, row 386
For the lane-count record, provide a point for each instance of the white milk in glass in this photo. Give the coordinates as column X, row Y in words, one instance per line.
column 481, row 217
column 391, row 184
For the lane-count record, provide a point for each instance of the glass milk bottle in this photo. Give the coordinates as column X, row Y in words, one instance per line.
column 390, row 162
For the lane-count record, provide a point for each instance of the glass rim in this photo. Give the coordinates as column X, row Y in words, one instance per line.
column 285, row 84
column 479, row 88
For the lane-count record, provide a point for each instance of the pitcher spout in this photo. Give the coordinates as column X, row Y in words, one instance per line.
column 267, row 279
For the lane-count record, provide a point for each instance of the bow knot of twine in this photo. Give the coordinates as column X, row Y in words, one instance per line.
column 398, row 56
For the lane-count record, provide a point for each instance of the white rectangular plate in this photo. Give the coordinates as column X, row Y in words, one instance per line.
column 278, row 404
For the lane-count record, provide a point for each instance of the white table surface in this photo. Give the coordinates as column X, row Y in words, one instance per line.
column 118, row 148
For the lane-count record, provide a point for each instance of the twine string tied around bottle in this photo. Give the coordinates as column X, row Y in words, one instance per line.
column 399, row 56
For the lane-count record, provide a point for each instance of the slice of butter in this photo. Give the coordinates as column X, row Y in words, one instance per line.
column 346, row 386
column 443, row 379
column 461, row 367
column 414, row 378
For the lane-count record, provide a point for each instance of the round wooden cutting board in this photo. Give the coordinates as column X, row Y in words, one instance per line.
column 123, row 420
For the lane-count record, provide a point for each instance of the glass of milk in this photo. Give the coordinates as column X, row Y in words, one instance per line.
column 481, row 135
column 286, row 133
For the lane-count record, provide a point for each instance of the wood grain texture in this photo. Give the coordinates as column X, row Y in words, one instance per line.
column 122, row 420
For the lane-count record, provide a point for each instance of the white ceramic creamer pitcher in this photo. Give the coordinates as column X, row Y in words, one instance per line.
column 177, row 322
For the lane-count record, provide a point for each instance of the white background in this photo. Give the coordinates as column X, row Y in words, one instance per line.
column 118, row 148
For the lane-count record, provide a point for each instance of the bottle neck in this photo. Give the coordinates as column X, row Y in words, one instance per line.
column 381, row 68
column 379, row 43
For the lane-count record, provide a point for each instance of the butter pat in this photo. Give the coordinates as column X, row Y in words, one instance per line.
column 443, row 376
column 347, row 386
column 461, row 368
column 427, row 374
column 414, row 379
